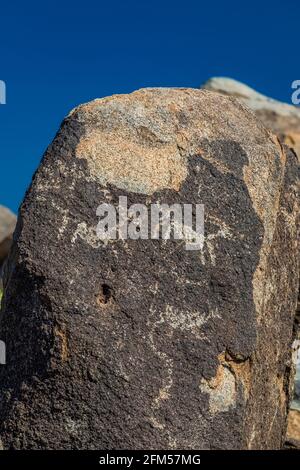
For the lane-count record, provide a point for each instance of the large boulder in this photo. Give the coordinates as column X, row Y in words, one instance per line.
column 134, row 344
column 282, row 118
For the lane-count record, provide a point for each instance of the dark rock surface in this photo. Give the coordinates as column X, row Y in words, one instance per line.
column 141, row 343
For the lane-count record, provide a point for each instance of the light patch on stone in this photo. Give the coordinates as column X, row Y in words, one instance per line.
column 64, row 220
column 164, row 391
column 87, row 234
column 142, row 142
column 241, row 370
column 265, row 186
column 163, row 394
column 62, row 337
column 64, row 223
column 210, row 241
column 155, row 423
column 187, row 320
column 72, row 426
column 131, row 166
column 221, row 390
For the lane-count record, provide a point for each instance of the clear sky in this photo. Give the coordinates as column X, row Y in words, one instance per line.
column 58, row 54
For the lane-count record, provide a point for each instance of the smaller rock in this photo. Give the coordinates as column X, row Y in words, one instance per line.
column 281, row 118
column 295, row 405
column 7, row 226
column 293, row 430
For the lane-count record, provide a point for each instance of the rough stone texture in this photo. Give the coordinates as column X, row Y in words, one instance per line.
column 282, row 118
column 7, row 227
column 141, row 343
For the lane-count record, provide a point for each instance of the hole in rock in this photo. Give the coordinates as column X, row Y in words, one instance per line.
column 105, row 294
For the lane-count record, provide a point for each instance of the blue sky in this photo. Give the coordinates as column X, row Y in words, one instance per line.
column 55, row 55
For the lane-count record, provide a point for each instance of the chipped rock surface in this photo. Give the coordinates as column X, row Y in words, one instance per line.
column 282, row 118
column 140, row 343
